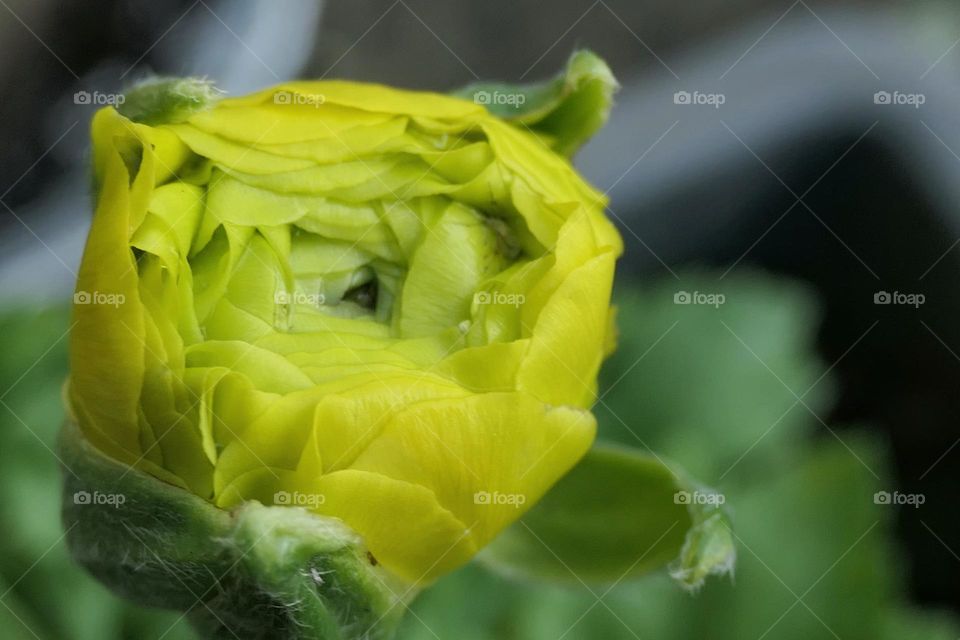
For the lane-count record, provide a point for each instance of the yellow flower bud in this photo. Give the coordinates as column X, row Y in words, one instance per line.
column 385, row 306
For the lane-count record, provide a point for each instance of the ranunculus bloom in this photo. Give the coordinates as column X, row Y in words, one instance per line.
column 385, row 306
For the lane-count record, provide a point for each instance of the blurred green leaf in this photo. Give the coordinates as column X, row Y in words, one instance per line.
column 714, row 387
column 619, row 513
column 53, row 599
column 817, row 558
column 902, row 622
column 697, row 396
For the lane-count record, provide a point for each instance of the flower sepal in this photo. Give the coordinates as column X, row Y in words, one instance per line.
column 565, row 110
column 619, row 514
column 255, row 572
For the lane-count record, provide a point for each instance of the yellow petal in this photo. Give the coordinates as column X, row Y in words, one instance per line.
column 401, row 523
column 496, row 444
column 567, row 343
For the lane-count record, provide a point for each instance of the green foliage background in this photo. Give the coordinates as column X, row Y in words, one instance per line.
column 714, row 388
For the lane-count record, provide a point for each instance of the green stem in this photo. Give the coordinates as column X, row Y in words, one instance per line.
column 278, row 573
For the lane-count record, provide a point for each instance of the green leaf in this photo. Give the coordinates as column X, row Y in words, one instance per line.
column 568, row 109
column 17, row 621
column 618, row 513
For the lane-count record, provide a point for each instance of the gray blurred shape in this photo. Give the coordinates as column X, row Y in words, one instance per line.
column 801, row 81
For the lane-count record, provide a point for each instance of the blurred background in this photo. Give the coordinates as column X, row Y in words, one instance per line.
column 795, row 163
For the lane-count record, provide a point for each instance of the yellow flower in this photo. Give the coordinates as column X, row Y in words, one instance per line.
column 385, row 306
